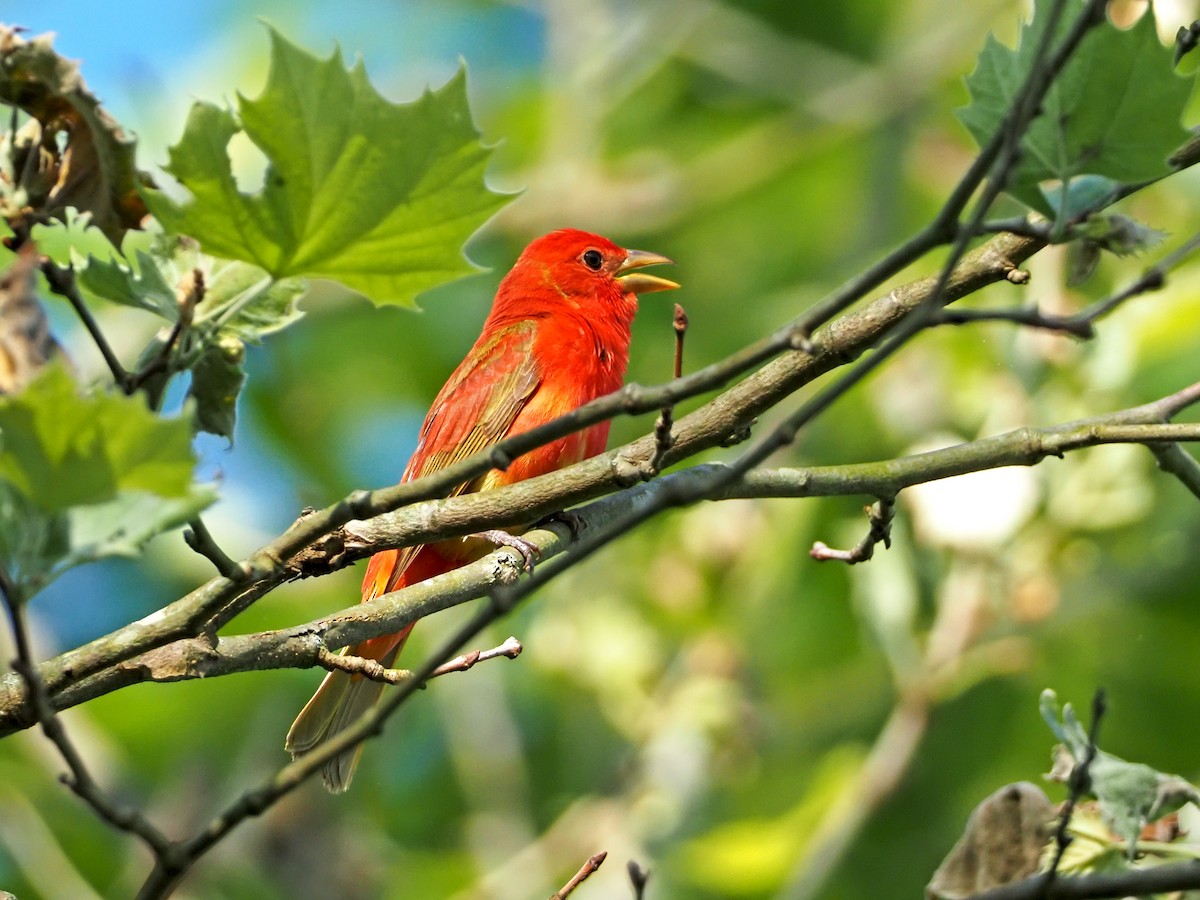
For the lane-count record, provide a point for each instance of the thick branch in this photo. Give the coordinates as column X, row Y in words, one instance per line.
column 301, row 646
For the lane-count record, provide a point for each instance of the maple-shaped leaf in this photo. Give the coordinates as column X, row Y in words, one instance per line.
column 377, row 195
column 1111, row 115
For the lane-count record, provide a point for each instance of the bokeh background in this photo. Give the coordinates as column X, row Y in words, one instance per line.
column 701, row 697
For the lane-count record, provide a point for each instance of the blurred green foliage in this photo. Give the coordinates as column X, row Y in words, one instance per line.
column 701, row 697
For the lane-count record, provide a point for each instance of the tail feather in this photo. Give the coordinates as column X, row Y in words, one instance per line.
column 340, row 700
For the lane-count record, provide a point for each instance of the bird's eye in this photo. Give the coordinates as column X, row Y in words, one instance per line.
column 592, row 259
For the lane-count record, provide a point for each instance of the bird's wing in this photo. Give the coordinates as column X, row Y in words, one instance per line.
column 475, row 409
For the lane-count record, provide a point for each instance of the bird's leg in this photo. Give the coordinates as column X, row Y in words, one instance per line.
column 528, row 550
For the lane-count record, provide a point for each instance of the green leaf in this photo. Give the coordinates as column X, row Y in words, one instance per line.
column 72, row 240
column 63, row 450
column 104, row 271
column 87, row 477
column 143, row 288
column 217, row 379
column 32, row 540
column 376, row 195
column 1113, row 112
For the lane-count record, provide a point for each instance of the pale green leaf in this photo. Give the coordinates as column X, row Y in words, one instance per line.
column 123, row 525
column 242, row 300
column 72, row 240
column 117, row 282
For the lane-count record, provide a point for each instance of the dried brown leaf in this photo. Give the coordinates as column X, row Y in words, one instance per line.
column 94, row 169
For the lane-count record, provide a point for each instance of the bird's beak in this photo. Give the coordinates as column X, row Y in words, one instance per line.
column 640, row 282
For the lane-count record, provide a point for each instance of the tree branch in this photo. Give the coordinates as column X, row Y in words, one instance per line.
column 301, row 646
column 78, row 779
column 730, row 413
column 1144, row 882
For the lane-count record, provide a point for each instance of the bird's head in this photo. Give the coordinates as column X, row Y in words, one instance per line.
column 578, row 266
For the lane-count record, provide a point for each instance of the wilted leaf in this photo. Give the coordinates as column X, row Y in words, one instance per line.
column 85, row 160
column 26, row 344
column 1002, row 843
column 377, row 195
column 1130, row 794
column 217, row 379
column 1113, row 112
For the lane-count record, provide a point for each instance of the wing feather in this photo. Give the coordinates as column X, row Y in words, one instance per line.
column 475, row 409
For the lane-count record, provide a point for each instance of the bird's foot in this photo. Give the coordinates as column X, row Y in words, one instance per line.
column 528, row 550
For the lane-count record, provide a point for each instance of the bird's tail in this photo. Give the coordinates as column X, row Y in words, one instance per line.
column 338, row 702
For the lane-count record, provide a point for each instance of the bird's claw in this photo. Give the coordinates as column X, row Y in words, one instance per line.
column 528, row 550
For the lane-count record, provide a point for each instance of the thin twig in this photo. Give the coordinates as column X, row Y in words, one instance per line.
column 189, row 294
column 199, row 538
column 879, row 516
column 585, row 872
column 663, row 440
column 370, row 668
column 1029, row 316
column 62, row 282
column 1079, row 783
column 1082, row 323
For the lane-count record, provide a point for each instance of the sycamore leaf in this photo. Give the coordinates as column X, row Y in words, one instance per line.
column 376, row 195
column 61, row 449
column 1113, row 112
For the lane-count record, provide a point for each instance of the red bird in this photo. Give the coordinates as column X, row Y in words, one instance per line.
column 556, row 338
